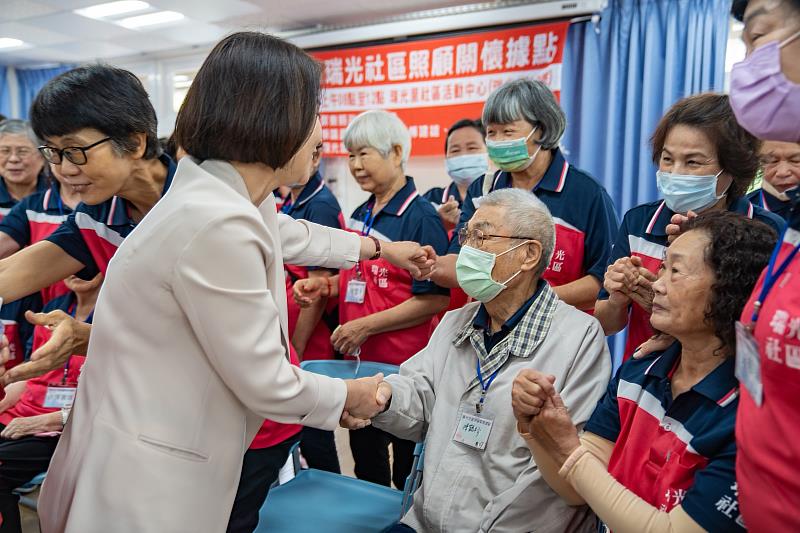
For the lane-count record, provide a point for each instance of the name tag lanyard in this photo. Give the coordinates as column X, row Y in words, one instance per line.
column 771, row 277
column 484, row 385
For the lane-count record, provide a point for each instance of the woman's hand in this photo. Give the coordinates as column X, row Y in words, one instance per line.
column 675, row 226
column 449, row 213
column 529, row 392
column 418, row 260
column 306, row 291
column 553, row 429
column 620, row 280
column 347, row 338
column 5, row 355
column 643, row 293
column 657, row 343
column 31, row 425
column 69, row 336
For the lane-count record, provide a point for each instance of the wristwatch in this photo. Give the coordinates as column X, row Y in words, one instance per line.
column 64, row 416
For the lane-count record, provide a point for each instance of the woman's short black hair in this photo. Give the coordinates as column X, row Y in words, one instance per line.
column 108, row 99
column 738, row 250
column 254, row 100
column 736, row 149
column 465, row 123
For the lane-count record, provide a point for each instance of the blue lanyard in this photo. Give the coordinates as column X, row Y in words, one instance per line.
column 772, row 275
column 369, row 221
column 287, row 205
column 60, row 204
column 484, row 386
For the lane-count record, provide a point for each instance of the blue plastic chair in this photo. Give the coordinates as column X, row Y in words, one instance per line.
column 30, row 486
column 322, row 501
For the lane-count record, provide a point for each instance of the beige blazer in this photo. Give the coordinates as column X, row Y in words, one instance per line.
column 186, row 359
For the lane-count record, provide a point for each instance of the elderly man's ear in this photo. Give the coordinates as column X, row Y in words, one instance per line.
column 533, row 256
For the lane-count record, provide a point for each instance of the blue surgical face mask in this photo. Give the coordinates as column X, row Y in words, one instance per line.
column 474, row 272
column 512, row 155
column 464, row 169
column 685, row 192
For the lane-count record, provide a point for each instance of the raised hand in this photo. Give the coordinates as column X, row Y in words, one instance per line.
column 418, row 260
column 620, row 280
column 307, row 291
column 449, row 213
column 529, row 392
column 675, row 226
column 554, row 430
column 69, row 336
column 643, row 293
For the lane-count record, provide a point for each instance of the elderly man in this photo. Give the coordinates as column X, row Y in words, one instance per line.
column 20, row 164
column 780, row 162
column 456, row 392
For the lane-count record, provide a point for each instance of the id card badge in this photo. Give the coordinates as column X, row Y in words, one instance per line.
column 473, row 429
column 356, row 290
column 60, row 396
column 748, row 363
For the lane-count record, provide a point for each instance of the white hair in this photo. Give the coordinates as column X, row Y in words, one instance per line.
column 526, row 216
column 380, row 130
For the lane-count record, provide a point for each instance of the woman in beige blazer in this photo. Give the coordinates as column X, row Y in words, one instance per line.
column 188, row 352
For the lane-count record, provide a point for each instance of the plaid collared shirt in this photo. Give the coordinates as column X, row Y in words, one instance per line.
column 522, row 341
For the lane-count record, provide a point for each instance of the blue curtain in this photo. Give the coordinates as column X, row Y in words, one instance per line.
column 622, row 72
column 5, row 96
column 30, row 81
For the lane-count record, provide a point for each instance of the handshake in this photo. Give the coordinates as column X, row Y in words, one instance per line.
column 366, row 398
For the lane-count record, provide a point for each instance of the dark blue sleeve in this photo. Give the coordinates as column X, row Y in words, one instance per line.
column 16, row 311
column 621, row 248
column 16, row 224
column 604, row 421
column 600, row 232
column 325, row 215
column 712, row 501
column 434, row 195
column 468, row 208
column 426, row 229
column 68, row 237
column 761, row 214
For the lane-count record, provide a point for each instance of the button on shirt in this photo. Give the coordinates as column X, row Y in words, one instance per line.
column 7, row 201
column 92, row 233
column 583, row 213
column 767, row 435
column 674, row 451
column 643, row 234
column 407, row 217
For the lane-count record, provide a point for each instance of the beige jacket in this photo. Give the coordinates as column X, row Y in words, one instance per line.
column 500, row 488
column 186, row 359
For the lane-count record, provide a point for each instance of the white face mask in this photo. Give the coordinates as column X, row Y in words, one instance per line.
column 685, row 192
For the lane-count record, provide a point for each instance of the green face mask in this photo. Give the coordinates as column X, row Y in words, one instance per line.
column 474, row 273
column 511, row 156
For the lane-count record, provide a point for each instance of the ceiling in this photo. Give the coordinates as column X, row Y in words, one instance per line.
column 53, row 33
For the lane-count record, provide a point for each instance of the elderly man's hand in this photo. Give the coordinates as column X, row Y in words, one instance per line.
column 31, row 425
column 529, row 392
column 366, row 397
column 307, row 291
column 675, row 226
column 554, row 430
column 69, row 336
column 449, row 213
column 418, row 260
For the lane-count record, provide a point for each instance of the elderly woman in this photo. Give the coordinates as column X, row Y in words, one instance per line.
column 21, row 165
column 385, row 315
column 706, row 162
column 478, row 472
column 780, row 162
column 658, row 453
column 524, row 124
column 193, row 311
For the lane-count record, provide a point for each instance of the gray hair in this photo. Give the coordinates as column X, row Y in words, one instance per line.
column 531, row 101
column 526, row 215
column 380, row 130
column 15, row 126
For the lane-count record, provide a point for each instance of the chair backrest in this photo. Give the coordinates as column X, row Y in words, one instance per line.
column 414, row 478
column 348, row 369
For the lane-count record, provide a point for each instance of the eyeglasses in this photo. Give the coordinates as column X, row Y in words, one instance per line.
column 21, row 152
column 74, row 154
column 477, row 237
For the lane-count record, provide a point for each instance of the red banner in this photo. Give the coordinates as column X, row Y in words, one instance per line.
column 432, row 83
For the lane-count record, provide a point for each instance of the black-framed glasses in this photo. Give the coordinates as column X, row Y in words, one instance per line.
column 74, row 154
column 477, row 237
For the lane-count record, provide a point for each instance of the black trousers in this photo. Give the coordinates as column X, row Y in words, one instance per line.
column 260, row 469
column 319, row 449
column 20, row 461
column 370, row 447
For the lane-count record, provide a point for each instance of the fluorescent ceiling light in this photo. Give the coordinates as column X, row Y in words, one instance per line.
column 8, row 42
column 113, row 9
column 150, row 19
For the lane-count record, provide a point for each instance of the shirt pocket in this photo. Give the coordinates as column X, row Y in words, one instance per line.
column 174, row 450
